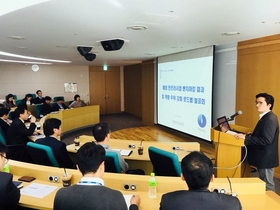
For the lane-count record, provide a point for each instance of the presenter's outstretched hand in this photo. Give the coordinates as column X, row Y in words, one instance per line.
column 240, row 136
column 135, row 199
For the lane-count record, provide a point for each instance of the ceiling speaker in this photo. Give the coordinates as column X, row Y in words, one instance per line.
column 84, row 50
column 111, row 45
column 90, row 56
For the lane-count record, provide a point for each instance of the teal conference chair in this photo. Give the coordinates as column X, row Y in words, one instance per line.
column 41, row 154
column 164, row 163
column 55, row 98
column 38, row 110
column 2, row 137
column 33, row 95
column 18, row 102
column 112, row 162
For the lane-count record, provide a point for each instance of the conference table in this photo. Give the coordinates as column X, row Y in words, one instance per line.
column 72, row 119
column 250, row 191
column 136, row 161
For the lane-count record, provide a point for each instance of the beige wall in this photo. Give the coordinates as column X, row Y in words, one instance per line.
column 20, row 80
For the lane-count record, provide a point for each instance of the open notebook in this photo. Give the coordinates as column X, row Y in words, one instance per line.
column 224, row 125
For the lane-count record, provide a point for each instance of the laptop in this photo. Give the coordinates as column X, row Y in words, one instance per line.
column 224, row 126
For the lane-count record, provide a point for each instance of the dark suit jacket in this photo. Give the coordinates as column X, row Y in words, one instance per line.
column 9, row 193
column 263, row 143
column 59, row 151
column 56, row 107
column 90, row 197
column 37, row 100
column 198, row 200
column 4, row 126
column 46, row 109
column 18, row 133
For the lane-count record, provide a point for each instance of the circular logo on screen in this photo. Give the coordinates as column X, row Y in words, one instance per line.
column 201, row 120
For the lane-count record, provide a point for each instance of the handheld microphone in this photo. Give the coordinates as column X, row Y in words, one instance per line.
column 234, row 115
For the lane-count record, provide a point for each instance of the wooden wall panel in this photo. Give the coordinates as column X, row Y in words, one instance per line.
column 148, row 92
column 258, row 70
column 133, row 90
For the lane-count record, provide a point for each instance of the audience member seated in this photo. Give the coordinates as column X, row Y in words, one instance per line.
column 26, row 101
column 10, row 102
column 18, row 133
column 9, row 193
column 77, row 102
column 90, row 192
column 39, row 99
column 59, row 105
column 47, row 106
column 197, row 171
column 101, row 133
column 52, row 130
column 4, row 121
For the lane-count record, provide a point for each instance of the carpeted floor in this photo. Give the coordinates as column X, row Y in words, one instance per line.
column 122, row 121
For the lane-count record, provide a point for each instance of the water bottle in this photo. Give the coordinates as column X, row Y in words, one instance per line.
column 152, row 186
column 6, row 168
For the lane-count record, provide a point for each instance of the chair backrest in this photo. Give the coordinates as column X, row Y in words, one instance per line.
column 38, row 110
column 112, row 163
column 2, row 137
column 41, row 154
column 164, row 163
column 55, row 98
column 18, row 102
column 33, row 95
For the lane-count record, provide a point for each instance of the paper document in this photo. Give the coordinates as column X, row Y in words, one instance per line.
column 37, row 190
column 124, row 152
column 127, row 200
column 231, row 132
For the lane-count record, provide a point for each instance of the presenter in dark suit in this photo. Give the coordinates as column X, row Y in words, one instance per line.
column 197, row 171
column 59, row 105
column 262, row 143
column 9, row 193
column 4, row 121
column 90, row 192
column 18, row 135
column 52, row 130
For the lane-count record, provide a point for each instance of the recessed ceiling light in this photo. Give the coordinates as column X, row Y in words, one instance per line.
column 230, row 33
column 137, row 27
column 16, row 37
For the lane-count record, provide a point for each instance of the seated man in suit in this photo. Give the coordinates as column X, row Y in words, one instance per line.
column 39, row 99
column 4, row 121
column 90, row 192
column 101, row 133
column 197, row 171
column 17, row 135
column 9, row 193
column 52, row 130
column 47, row 107
column 59, row 105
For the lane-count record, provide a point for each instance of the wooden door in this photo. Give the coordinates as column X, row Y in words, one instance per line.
column 113, row 101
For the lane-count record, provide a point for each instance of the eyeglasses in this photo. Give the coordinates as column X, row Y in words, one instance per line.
column 6, row 159
column 258, row 102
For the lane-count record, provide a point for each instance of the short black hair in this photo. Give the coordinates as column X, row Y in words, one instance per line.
column 28, row 95
column 47, row 98
column 3, row 148
column 38, row 91
column 9, row 96
column 76, row 96
column 100, row 131
column 269, row 99
column 89, row 157
column 4, row 111
column 20, row 110
column 58, row 99
column 50, row 124
column 197, row 170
